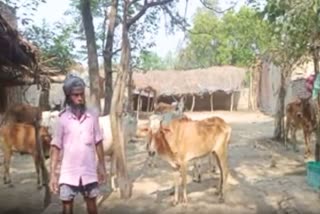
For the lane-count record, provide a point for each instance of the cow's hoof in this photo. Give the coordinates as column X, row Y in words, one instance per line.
column 221, row 200
column 39, row 187
column 7, row 181
column 197, row 179
column 11, row 185
column 184, row 201
column 307, row 155
column 171, row 191
column 217, row 192
column 175, row 203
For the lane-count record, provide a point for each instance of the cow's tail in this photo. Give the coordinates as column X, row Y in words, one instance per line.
column 228, row 137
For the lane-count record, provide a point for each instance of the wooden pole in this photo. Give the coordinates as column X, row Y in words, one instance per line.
column 148, row 105
column 193, row 102
column 211, row 101
column 232, row 100
column 138, row 105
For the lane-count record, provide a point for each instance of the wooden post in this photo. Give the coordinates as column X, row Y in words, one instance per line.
column 148, row 105
column 211, row 101
column 193, row 102
column 138, row 101
column 138, row 105
column 232, row 100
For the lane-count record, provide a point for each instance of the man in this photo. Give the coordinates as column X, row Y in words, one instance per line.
column 76, row 142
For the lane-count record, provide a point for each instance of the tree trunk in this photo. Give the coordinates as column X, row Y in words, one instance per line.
column 130, row 87
column 316, row 70
column 116, row 112
column 279, row 117
column 107, row 56
column 92, row 52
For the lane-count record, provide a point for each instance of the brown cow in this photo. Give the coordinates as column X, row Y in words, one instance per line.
column 184, row 139
column 20, row 137
column 22, row 113
column 300, row 115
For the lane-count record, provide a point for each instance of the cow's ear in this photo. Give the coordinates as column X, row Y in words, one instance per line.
column 165, row 130
column 145, row 129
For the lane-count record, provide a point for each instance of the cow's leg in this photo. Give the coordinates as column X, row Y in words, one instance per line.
column 176, row 178
column 287, row 128
column 212, row 165
column 294, row 139
column 112, row 173
column 183, row 172
column 6, row 165
column 221, row 159
column 196, row 172
column 307, row 150
column 37, row 166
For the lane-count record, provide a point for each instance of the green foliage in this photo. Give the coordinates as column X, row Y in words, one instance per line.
column 55, row 42
column 151, row 61
column 28, row 6
column 235, row 39
column 295, row 27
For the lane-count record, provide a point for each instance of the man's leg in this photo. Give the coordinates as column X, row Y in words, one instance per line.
column 90, row 193
column 67, row 207
column 67, row 194
column 91, row 205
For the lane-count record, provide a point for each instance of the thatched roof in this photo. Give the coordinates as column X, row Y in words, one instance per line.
column 198, row 81
column 19, row 59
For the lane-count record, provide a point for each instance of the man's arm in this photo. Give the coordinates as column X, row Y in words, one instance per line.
column 54, row 156
column 56, row 146
column 100, row 153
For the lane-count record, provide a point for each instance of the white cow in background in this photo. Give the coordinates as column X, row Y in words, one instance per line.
column 129, row 123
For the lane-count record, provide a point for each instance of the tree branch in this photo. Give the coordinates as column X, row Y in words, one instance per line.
column 177, row 19
column 116, row 51
column 209, row 7
column 133, row 2
column 146, row 5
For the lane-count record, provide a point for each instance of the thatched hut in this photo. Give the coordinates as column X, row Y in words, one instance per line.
column 212, row 88
column 19, row 62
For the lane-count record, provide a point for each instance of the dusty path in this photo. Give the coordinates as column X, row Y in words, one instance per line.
column 253, row 187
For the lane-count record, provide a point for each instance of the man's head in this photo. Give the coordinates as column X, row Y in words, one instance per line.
column 74, row 90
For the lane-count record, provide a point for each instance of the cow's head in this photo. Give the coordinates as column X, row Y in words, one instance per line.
column 46, row 138
column 158, row 135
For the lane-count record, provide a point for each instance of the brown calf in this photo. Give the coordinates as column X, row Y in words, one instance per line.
column 300, row 115
column 20, row 137
column 184, row 139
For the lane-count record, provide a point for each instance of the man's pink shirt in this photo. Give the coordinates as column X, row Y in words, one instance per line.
column 76, row 140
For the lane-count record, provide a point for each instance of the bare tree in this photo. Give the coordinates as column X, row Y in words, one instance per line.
column 92, row 52
column 125, row 184
column 108, row 55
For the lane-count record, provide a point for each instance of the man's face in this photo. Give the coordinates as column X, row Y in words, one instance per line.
column 77, row 97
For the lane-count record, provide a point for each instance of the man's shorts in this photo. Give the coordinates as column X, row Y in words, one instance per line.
column 68, row 192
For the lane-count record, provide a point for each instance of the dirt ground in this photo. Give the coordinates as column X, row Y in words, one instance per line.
column 253, row 186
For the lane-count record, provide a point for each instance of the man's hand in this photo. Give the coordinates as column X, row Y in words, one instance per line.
column 53, row 184
column 102, row 174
